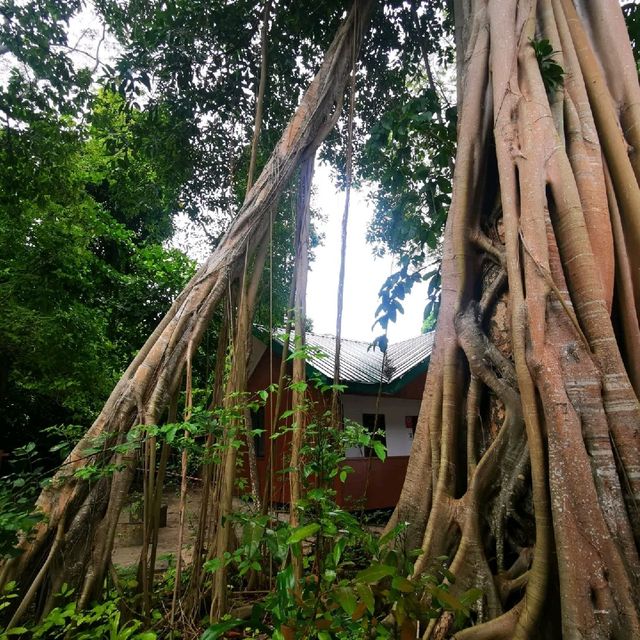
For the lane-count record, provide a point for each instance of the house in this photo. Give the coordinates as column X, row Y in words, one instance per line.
column 390, row 387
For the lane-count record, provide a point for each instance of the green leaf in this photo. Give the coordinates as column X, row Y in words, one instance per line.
column 448, row 575
column 366, row 595
column 470, row 596
column 300, row 533
column 217, row 630
column 330, row 575
column 346, row 598
column 379, row 449
column 402, row 584
column 338, row 550
column 375, row 573
column 213, row 565
column 447, row 599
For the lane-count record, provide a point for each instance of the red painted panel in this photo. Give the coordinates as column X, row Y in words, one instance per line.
column 373, row 484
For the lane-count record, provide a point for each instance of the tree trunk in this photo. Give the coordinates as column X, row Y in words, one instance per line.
column 298, row 396
column 90, row 510
column 540, row 246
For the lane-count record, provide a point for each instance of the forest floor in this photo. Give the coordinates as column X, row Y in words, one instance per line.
column 127, row 549
column 128, row 545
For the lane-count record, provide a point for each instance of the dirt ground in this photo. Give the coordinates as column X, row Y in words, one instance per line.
column 126, row 555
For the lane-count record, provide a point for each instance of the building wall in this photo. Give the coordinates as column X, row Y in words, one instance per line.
column 395, row 410
column 373, row 484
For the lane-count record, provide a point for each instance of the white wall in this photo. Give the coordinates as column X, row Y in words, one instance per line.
column 399, row 438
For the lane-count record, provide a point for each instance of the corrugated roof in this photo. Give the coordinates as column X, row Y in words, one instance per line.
column 359, row 363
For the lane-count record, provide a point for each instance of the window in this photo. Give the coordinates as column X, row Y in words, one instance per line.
column 411, row 422
column 375, row 425
column 259, row 439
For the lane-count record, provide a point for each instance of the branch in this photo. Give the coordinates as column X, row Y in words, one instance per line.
column 491, row 292
column 485, row 360
column 425, row 56
column 260, row 96
column 75, row 49
column 104, row 31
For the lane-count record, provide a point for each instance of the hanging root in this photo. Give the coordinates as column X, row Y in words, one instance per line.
column 540, row 507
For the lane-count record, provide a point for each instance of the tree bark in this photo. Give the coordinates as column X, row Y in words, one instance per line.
column 262, row 84
column 298, row 396
column 547, row 511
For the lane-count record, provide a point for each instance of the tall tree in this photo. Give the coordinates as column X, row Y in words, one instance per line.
column 524, row 468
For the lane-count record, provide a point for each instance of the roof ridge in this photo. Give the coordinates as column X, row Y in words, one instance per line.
column 333, row 336
column 364, row 342
column 367, row 342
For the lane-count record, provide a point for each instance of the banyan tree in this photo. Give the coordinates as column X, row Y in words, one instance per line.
column 525, row 467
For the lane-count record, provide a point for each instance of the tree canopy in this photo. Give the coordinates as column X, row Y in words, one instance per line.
column 516, row 196
column 120, row 147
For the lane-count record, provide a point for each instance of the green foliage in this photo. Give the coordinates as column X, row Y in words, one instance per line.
column 82, row 280
column 552, row 73
column 410, row 155
column 103, row 620
column 352, row 578
column 42, row 81
column 89, row 187
column 409, row 151
column 18, row 491
column 337, row 600
column 395, row 288
column 434, row 291
column 137, row 170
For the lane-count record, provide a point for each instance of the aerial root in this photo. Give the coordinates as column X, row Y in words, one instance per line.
column 500, row 628
column 35, row 585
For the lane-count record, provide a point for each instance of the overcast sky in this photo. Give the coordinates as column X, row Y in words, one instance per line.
column 364, row 273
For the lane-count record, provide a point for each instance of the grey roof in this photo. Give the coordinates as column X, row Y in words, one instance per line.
column 359, row 363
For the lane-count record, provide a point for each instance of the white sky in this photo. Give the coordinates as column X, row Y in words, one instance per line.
column 364, row 273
